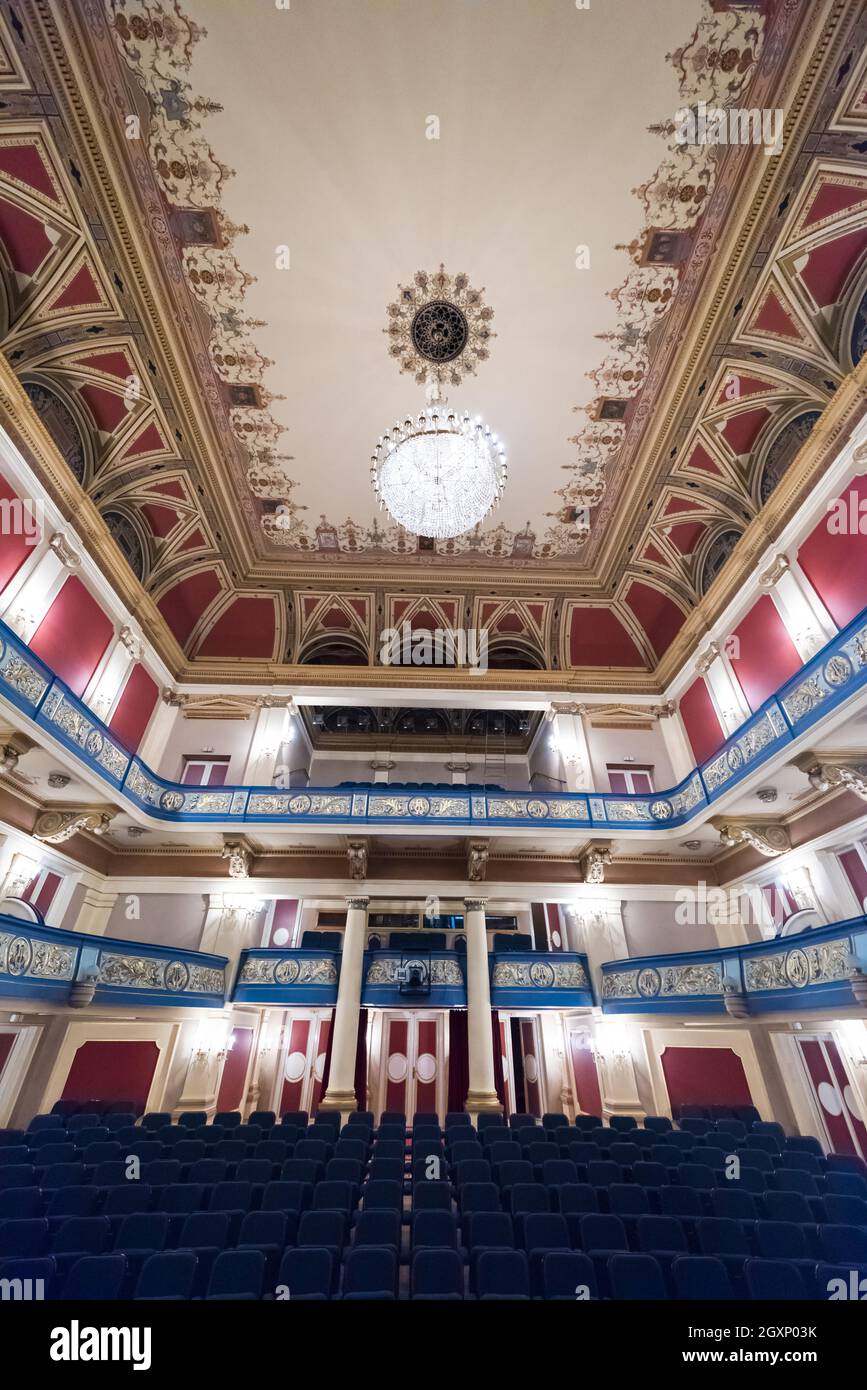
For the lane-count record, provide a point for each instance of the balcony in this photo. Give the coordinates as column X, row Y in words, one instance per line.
column 827, row 681
column 533, row 980
column 299, row 977
column 822, row 968
column 47, row 965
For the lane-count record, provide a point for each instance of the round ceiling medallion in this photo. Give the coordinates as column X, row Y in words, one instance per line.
column 296, row 1063
column 439, row 327
column 439, row 331
column 426, row 1067
column 397, row 1067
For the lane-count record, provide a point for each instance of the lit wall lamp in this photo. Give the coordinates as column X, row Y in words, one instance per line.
column 855, row 1040
column 213, row 1043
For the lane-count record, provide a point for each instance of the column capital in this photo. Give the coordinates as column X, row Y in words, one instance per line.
column 475, row 904
column 360, row 903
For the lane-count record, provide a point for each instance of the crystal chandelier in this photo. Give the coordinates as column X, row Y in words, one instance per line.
column 440, row 474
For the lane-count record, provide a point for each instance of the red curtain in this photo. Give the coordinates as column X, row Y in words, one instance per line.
column 361, row 1061
column 459, row 1060
column 499, row 1079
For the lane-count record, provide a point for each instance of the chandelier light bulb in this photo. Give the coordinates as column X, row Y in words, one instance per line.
column 441, row 474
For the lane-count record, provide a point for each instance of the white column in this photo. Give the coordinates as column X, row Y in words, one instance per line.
column 340, row 1094
column 107, row 682
column 597, row 930
column 725, row 692
column 156, row 737
column 269, row 736
column 28, row 595
column 677, row 747
column 482, row 1094
column 227, row 927
column 804, row 615
column 569, row 727
column 728, row 912
column 95, row 911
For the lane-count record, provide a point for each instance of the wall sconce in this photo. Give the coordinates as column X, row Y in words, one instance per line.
column 213, row 1043
column 611, row 1045
column 855, row 1040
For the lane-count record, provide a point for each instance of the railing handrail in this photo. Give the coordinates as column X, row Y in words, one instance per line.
column 831, row 931
column 797, row 704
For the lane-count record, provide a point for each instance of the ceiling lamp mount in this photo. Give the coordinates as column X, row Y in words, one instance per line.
column 440, row 474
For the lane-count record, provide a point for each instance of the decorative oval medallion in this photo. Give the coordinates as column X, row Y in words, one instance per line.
column 19, row 956
column 649, row 983
column 837, row 670
column 426, row 1068
column 797, row 968
column 286, row 972
column 531, row 1071
column 537, row 809
column 397, row 1067
column 171, row 801
column 661, row 810
column 300, row 805
column 735, row 758
column 296, row 1065
column 419, row 806
column 542, row 974
column 177, row 975
column 94, row 744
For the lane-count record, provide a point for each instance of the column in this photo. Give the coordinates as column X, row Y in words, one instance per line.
column 226, row 931
column 106, row 684
column 26, row 601
column 482, row 1095
column 157, row 733
column 805, row 617
column 676, row 743
column 569, row 724
column 95, row 911
column 341, row 1080
column 268, row 738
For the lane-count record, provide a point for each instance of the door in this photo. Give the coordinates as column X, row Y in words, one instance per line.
column 585, row 1078
column 835, row 1100
column 523, row 1074
column 303, row 1062
column 412, row 1067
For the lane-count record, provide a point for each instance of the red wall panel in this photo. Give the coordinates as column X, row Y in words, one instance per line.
column 14, row 549
column 835, row 560
column 705, row 1076
column 764, row 655
column 73, row 635
column 295, row 1066
column 112, row 1071
column 7, row 1042
column 703, row 729
column 586, row 1075
column 231, row 1094
column 134, row 708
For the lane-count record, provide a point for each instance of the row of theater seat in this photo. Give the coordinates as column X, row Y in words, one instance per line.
column 344, row 1200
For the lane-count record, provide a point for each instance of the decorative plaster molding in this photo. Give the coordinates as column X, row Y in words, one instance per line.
column 477, row 860
column 357, row 851
column 769, row 839
column 55, row 827
column 775, row 572
column 240, row 858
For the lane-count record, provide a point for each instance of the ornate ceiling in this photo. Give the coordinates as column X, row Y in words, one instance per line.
column 201, row 236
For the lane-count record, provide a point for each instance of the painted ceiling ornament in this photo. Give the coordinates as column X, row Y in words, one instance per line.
column 439, row 327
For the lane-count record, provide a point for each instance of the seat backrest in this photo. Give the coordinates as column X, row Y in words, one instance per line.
column 436, row 1272
column 503, row 1272
column 89, row 1234
column 434, row 1228
column 229, row 1119
column 263, row 1228
column 780, row 1240
column 529, row 1197
column 382, row 1194
column 97, row 1278
column 283, row 1196
column 205, row 1229
column 568, row 1275
column 169, row 1273
column 231, row 1196
column 733, row 1202
column 370, row 1269
column 515, row 1171
column 603, row 1232
column 334, row 1196
column 488, row 1228
column 775, row 1279
column 658, row 1123
column 842, row 1244
column 23, row 1237
column 844, row 1210
column 306, row 1271
column 143, row 1230
column 237, row 1272
column 636, row 1277
column 546, row 1231
column 378, row 1228
column 719, row 1235
column 661, row 1233
column 432, row 1196
column 701, row 1277
column 628, row 1199
column 322, row 1228
column 577, row 1198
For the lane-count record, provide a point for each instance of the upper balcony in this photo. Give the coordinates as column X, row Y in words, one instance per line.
column 832, row 678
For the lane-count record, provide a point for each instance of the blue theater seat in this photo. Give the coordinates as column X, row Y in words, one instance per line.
column 370, row 1274
column 702, row 1278
column 635, row 1277
column 286, row 1196
column 170, row 1274
column 23, row 1238
column 472, row 1170
column 434, row 1228
column 846, row 1163
column 237, row 1275
column 541, row 1233
column 378, row 1228
column 502, row 1274
column 19, row 1202
column 34, row 1268
column 843, row 1244
column 71, row 1201
column 734, row 1203
column 95, row 1278
column 845, row 1211
column 726, row 1240
column 776, row 1280
column 663, row 1237
column 308, row 1274
column 269, row 1232
column 436, row 1274
column 846, row 1184
column 660, row 1124
column 381, row 1194
column 78, row 1236
column 193, row 1119
column 564, row 1274
column 265, row 1119
column 229, row 1119
column 431, row 1196
column 326, row 1230
column 479, row 1196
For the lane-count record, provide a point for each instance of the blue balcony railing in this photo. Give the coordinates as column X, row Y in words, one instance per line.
column 831, row 678
column 301, row 977
column 65, row 967
column 821, row 968
column 530, row 979
column 442, row 980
